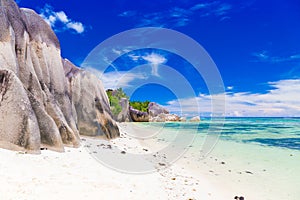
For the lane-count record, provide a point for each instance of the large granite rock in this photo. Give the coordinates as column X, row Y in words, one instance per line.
column 124, row 115
column 119, row 96
column 182, row 119
column 160, row 114
column 18, row 122
column 165, row 118
column 154, row 109
column 33, row 78
column 90, row 103
column 195, row 119
column 138, row 116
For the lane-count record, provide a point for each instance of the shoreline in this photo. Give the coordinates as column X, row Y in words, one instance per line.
column 76, row 174
column 241, row 169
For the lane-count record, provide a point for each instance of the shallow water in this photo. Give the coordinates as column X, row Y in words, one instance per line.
column 275, row 132
column 258, row 158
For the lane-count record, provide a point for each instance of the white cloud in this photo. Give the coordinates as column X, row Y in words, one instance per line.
column 114, row 80
column 134, row 57
column 281, row 101
column 77, row 26
column 51, row 20
column 59, row 21
column 199, row 6
column 229, row 87
column 264, row 56
column 128, row 13
column 116, row 51
column 117, row 79
column 155, row 60
column 120, row 51
column 222, row 9
column 62, row 17
column 179, row 16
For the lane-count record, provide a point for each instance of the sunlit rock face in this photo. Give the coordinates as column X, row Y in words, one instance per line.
column 154, row 109
column 124, row 115
column 90, row 102
column 138, row 116
column 40, row 104
column 160, row 114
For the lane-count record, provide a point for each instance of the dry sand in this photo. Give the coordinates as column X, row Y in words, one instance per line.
column 77, row 174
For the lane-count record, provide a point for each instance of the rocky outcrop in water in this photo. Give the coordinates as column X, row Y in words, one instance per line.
column 165, row 118
column 160, row 114
column 138, row 116
column 44, row 102
column 195, row 119
column 154, row 109
column 182, row 119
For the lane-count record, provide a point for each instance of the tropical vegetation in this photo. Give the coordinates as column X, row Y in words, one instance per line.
column 115, row 96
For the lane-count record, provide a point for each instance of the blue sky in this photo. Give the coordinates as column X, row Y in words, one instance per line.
column 255, row 45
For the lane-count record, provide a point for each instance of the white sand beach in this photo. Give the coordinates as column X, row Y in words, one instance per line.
column 227, row 172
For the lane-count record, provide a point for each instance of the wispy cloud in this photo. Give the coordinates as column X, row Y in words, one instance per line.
column 59, row 21
column 200, row 6
column 120, row 51
column 155, row 60
column 123, row 79
column 143, row 65
column 282, row 100
column 179, row 16
column 265, row 56
column 229, row 87
column 129, row 13
column 174, row 17
column 294, row 72
column 214, row 8
column 222, row 9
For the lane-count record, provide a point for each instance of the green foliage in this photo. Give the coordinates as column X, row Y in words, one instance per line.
column 115, row 106
column 139, row 105
column 114, row 97
column 119, row 93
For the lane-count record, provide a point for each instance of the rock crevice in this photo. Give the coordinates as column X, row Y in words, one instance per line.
column 40, row 104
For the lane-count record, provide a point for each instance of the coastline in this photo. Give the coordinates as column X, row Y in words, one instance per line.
column 76, row 174
column 243, row 169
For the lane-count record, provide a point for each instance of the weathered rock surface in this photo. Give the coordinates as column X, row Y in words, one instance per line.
column 124, row 115
column 90, row 103
column 165, row 118
column 195, row 119
column 154, row 109
column 17, row 115
column 160, row 114
column 41, row 106
column 182, row 119
column 138, row 116
column 119, row 97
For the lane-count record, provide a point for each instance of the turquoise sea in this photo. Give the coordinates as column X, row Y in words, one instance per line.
column 275, row 132
column 255, row 157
